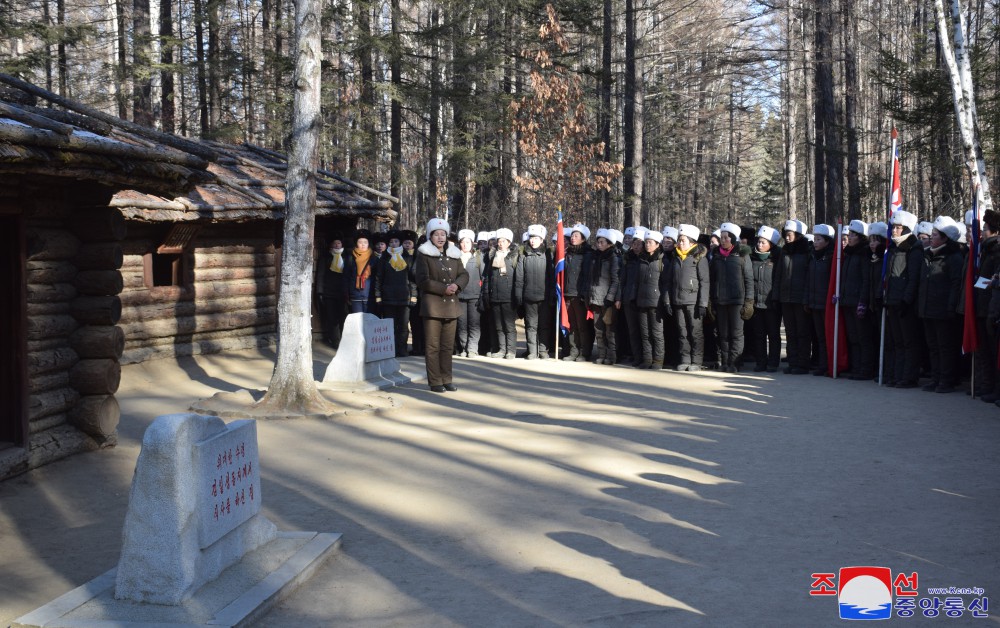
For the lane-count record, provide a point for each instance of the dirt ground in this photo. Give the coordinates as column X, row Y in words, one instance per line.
column 553, row 494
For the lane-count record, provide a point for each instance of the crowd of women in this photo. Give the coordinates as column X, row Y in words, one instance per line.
column 677, row 298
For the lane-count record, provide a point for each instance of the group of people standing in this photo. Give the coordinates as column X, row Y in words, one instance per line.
column 677, row 298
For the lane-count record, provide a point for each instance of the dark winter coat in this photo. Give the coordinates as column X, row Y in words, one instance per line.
column 352, row 291
column 434, row 272
column 629, row 277
column 650, row 279
column 905, row 261
column 501, row 286
column 476, row 267
column 731, row 277
column 940, row 282
column 791, row 276
column 577, row 273
column 875, row 264
column 534, row 278
column 763, row 277
column 989, row 265
column 688, row 279
column 605, row 268
column 395, row 287
column 818, row 276
column 855, row 275
column 332, row 284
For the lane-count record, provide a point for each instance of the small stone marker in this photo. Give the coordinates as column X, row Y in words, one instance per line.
column 194, row 508
column 366, row 359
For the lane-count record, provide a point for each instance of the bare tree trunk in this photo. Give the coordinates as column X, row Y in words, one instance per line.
column 166, row 67
column 852, row 86
column 122, row 60
column 396, row 106
column 628, row 116
column 434, row 126
column 199, row 38
column 292, row 388
column 61, row 61
column 214, row 71
column 605, row 89
column 142, row 80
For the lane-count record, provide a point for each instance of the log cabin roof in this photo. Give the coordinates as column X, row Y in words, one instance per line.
column 160, row 177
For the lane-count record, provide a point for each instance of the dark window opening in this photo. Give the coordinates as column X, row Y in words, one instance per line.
column 167, row 269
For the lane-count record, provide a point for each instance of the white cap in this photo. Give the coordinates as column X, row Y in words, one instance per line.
column 717, row 233
column 970, row 216
column 732, row 228
column 640, row 232
column 582, row 228
column 858, row 226
column 537, row 230
column 769, row 233
column 670, row 232
column 630, row 231
column 493, row 235
column 824, row 230
column 924, row 227
column 879, row 229
column 483, row 236
column 810, row 237
column 690, row 231
column 654, row 235
column 617, row 236
column 796, row 226
column 467, row 233
column 961, row 232
column 555, row 236
column 947, row 226
column 905, row 218
column 435, row 224
column 506, row 234
column 606, row 234
column 524, row 237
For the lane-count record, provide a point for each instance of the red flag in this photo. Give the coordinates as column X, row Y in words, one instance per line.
column 560, row 267
column 896, row 188
column 832, row 303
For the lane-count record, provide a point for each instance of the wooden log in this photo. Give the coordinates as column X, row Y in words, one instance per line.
column 100, row 256
column 149, row 310
column 224, row 247
column 50, row 381
column 51, row 293
column 105, row 224
column 56, row 325
column 232, row 260
column 201, row 291
column 227, row 274
column 97, row 310
column 178, row 326
column 47, row 423
column 96, row 376
column 51, row 402
column 49, row 360
column 132, row 261
column 200, row 344
column 97, row 415
column 45, row 343
column 99, row 282
column 51, row 244
column 224, row 289
column 48, row 309
column 49, row 271
column 98, row 342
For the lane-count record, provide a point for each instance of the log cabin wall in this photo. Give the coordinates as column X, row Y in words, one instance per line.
column 225, row 296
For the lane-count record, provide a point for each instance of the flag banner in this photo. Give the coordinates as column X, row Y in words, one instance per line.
column 895, row 204
column 560, row 268
column 970, row 335
column 835, row 327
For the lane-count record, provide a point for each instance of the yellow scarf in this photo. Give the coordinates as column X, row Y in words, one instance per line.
column 396, row 261
column 337, row 263
column 683, row 254
column 364, row 269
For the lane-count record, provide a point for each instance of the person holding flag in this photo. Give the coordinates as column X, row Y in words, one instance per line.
column 902, row 280
column 854, row 288
column 937, row 304
column 982, row 283
column 818, row 272
column 534, row 289
column 790, row 282
column 871, row 309
column 562, row 315
column 576, row 288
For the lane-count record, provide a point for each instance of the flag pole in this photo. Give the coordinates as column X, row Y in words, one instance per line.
column 836, row 297
column 888, row 239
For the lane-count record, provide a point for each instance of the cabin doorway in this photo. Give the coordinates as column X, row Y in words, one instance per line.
column 13, row 338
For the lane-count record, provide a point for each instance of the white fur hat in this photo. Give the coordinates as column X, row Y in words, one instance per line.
column 924, row 227
column 717, row 233
column 795, row 226
column 670, row 232
column 493, row 235
column 506, row 234
column 690, row 231
column 524, row 237
column 630, row 231
column 435, row 224
column 879, row 229
column 483, row 236
column 810, row 237
column 467, row 233
column 555, row 236
column 905, row 218
column 970, row 216
column 858, row 226
column 582, row 228
column 961, row 232
column 732, row 228
column 606, row 234
column 947, row 226
column 640, row 232
column 824, row 230
column 654, row 235
column 769, row 233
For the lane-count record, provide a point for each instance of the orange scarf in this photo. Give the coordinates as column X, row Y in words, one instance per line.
column 361, row 259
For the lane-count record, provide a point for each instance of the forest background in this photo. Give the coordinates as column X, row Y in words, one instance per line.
column 495, row 112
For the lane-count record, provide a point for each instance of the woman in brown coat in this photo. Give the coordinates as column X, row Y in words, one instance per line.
column 440, row 277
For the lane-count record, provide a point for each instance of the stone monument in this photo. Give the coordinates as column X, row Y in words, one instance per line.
column 366, row 358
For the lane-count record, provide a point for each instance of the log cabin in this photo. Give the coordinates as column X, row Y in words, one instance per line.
column 120, row 244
